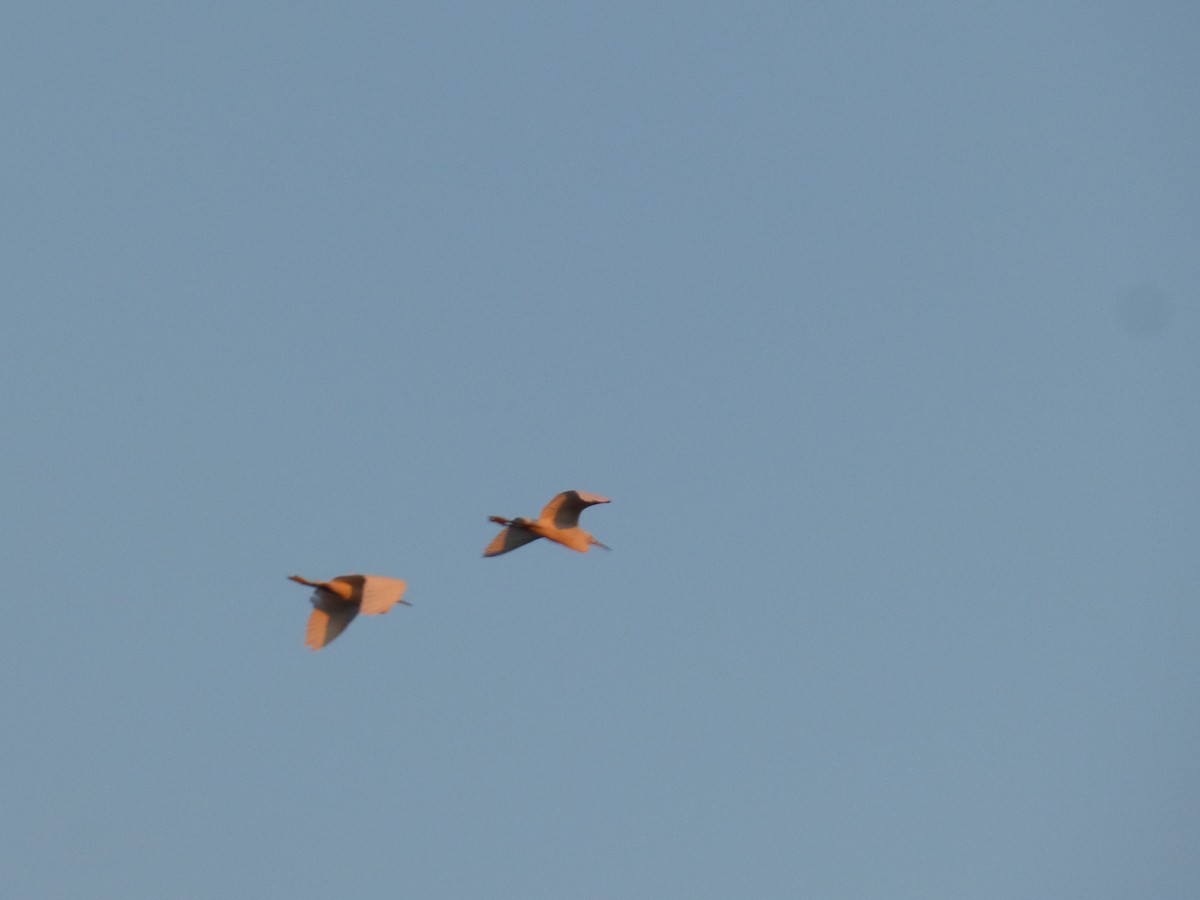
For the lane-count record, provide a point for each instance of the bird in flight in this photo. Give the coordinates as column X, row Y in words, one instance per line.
column 559, row 521
column 337, row 602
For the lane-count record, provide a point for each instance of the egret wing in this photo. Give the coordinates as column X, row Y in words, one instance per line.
column 564, row 509
column 329, row 618
column 509, row 539
column 379, row 594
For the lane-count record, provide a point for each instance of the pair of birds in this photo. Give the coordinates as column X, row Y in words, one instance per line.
column 337, row 602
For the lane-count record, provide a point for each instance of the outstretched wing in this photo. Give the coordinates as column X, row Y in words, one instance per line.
column 564, row 509
column 379, row 594
column 509, row 539
column 330, row 616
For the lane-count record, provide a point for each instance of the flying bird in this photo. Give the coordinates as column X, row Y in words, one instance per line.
column 337, row 602
column 559, row 521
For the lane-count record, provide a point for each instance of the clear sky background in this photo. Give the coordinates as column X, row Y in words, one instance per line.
column 878, row 323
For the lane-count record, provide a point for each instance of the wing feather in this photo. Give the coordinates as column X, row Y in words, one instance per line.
column 564, row 509
column 509, row 539
column 329, row 618
column 379, row 594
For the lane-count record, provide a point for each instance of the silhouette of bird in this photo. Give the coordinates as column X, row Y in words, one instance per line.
column 559, row 522
column 337, row 602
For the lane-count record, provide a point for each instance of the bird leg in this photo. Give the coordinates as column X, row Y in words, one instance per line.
column 500, row 521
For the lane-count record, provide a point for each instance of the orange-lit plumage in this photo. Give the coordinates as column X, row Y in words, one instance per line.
column 337, row 602
column 558, row 522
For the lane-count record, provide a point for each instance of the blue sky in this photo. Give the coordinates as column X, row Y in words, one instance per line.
column 877, row 322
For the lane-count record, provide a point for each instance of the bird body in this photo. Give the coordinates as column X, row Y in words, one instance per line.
column 558, row 522
column 337, row 602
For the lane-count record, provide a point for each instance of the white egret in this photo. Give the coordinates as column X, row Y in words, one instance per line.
column 559, row 522
column 337, row 602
